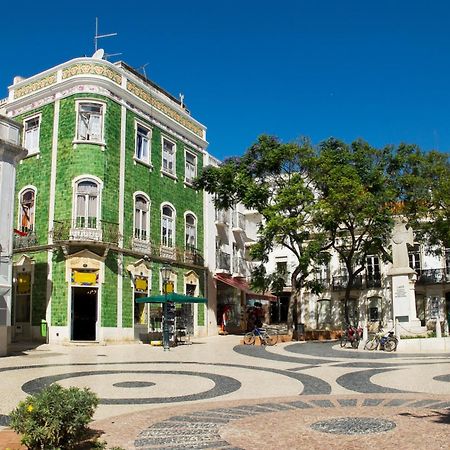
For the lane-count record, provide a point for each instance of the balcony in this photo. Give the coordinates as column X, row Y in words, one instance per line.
column 91, row 230
column 24, row 240
column 373, row 281
column 222, row 217
column 238, row 221
column 141, row 246
column 433, row 276
column 223, row 261
column 193, row 256
column 340, row 282
column 240, row 267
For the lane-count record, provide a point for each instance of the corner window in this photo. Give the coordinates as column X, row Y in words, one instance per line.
column 190, row 168
column 31, row 135
column 191, row 232
column 90, row 122
column 167, row 226
column 87, row 193
column 168, row 156
column 143, row 144
column 141, row 214
column 27, row 210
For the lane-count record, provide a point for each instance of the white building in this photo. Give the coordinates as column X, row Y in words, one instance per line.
column 228, row 237
column 10, row 154
column 378, row 292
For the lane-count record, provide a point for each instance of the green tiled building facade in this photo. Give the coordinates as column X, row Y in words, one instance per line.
column 103, row 201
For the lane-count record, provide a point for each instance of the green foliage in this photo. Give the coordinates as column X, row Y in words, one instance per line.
column 55, row 418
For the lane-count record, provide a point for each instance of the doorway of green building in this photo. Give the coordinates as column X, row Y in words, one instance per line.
column 84, row 313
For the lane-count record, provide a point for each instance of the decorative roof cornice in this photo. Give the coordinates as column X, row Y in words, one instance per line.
column 116, row 78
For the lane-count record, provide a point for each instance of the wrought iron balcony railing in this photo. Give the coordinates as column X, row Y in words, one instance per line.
column 433, row 276
column 340, row 282
column 223, row 261
column 222, row 217
column 238, row 221
column 91, row 230
column 25, row 241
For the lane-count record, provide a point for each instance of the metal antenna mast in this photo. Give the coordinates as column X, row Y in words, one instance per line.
column 99, row 36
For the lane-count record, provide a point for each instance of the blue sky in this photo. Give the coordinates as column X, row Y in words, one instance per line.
column 379, row 70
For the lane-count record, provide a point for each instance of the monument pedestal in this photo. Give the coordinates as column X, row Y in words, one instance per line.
column 404, row 301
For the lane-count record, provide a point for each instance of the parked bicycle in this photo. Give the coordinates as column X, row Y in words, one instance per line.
column 351, row 335
column 384, row 341
column 264, row 337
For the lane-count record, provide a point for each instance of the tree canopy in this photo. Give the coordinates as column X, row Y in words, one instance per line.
column 333, row 196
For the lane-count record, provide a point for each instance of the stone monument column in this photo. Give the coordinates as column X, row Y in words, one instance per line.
column 403, row 280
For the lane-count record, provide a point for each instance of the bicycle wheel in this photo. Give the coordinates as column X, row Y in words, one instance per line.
column 270, row 340
column 371, row 344
column 249, row 338
column 390, row 345
column 343, row 341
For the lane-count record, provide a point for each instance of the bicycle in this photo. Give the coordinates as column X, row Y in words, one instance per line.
column 352, row 335
column 384, row 341
column 262, row 334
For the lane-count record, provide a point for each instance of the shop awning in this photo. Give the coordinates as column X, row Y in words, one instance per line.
column 242, row 285
column 172, row 297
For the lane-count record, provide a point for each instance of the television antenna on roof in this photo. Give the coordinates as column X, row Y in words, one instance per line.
column 100, row 36
column 143, row 69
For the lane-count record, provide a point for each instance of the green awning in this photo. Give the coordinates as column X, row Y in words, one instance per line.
column 172, row 297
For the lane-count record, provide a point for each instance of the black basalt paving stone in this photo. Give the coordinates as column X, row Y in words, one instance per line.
column 445, row 378
column 360, row 382
column 397, row 402
column 222, row 385
column 193, row 419
column 4, row 420
column 347, row 401
column 443, row 405
column 323, row 403
column 372, row 401
column 300, row 405
column 353, row 425
column 422, row 403
column 261, row 352
column 133, row 384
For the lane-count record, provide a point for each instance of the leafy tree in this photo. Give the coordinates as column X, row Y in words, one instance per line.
column 356, row 195
column 423, row 185
column 272, row 178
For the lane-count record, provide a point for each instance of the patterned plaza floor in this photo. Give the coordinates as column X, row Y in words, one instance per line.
column 219, row 394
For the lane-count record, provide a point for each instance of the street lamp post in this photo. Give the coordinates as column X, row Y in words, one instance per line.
column 165, row 273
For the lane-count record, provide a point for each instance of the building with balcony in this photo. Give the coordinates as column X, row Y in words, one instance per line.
column 372, row 296
column 10, row 154
column 103, row 201
column 229, row 235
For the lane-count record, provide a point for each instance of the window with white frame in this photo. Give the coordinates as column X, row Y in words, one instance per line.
column 414, row 258
column 143, row 143
column 373, row 271
column 31, row 134
column 90, row 122
column 141, row 214
column 87, row 193
column 167, row 226
column 168, row 156
column 190, row 167
column 27, row 210
column 191, row 232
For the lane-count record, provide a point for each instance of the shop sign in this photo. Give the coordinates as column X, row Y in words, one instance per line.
column 141, row 284
column 24, row 283
column 84, row 278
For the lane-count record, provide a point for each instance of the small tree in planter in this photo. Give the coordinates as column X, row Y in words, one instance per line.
column 54, row 418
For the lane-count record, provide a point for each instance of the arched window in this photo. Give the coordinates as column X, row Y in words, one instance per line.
column 191, row 232
column 87, row 193
column 141, row 214
column 167, row 226
column 27, row 210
